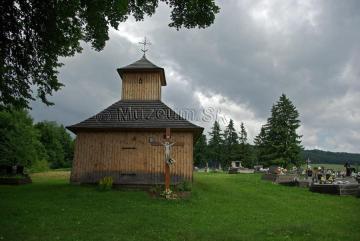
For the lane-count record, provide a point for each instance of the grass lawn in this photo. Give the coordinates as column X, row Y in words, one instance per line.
column 222, row 207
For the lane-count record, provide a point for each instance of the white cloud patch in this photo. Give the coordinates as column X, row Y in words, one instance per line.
column 226, row 109
column 281, row 16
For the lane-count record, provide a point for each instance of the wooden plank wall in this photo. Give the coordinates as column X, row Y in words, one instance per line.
column 129, row 157
column 148, row 89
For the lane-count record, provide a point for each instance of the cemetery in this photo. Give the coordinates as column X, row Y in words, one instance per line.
column 319, row 179
column 331, row 182
column 280, row 175
column 237, row 168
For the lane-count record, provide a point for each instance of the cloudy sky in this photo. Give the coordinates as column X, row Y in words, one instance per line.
column 254, row 52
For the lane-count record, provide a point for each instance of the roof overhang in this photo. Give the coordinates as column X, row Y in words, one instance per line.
column 196, row 131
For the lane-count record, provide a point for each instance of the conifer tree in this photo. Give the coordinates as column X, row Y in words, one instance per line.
column 200, row 151
column 243, row 134
column 244, row 147
column 261, row 147
column 282, row 141
column 216, row 144
column 230, row 143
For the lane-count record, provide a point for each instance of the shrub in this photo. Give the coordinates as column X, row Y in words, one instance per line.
column 105, row 183
column 184, row 186
column 39, row 166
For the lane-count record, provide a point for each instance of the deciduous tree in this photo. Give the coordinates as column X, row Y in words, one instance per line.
column 35, row 33
column 19, row 144
column 57, row 142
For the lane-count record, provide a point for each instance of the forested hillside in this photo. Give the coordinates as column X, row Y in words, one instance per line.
column 318, row 156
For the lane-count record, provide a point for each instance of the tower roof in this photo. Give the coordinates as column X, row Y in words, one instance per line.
column 143, row 65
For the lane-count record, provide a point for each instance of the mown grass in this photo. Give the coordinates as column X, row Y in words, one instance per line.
column 222, row 207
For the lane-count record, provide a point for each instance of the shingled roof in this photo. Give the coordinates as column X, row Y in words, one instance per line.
column 136, row 114
column 143, row 65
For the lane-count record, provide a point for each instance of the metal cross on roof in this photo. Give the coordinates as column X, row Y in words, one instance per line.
column 145, row 43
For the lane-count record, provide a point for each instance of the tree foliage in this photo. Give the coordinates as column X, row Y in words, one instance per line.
column 244, row 150
column 216, row 141
column 278, row 141
column 230, row 143
column 225, row 147
column 19, row 143
column 261, row 145
column 200, row 151
column 243, row 134
column 57, row 142
column 35, row 33
column 33, row 146
column 319, row 156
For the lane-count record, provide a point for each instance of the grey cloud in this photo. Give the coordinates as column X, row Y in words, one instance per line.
column 308, row 50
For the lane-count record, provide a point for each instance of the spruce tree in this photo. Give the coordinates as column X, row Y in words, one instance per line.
column 243, row 134
column 200, row 151
column 216, row 144
column 230, row 143
column 260, row 142
column 244, row 147
column 282, row 141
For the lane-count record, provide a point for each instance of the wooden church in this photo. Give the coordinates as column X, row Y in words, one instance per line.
column 120, row 141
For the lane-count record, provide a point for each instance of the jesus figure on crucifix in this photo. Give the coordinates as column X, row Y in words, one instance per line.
column 167, row 145
column 168, row 160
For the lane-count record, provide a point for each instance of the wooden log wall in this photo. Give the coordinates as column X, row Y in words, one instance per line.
column 141, row 86
column 129, row 157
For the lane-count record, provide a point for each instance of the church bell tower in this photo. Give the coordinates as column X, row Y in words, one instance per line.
column 142, row 80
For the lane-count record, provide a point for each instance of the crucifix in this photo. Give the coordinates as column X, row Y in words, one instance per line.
column 308, row 163
column 167, row 157
column 145, row 43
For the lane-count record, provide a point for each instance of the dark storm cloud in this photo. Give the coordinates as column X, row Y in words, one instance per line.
column 255, row 51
